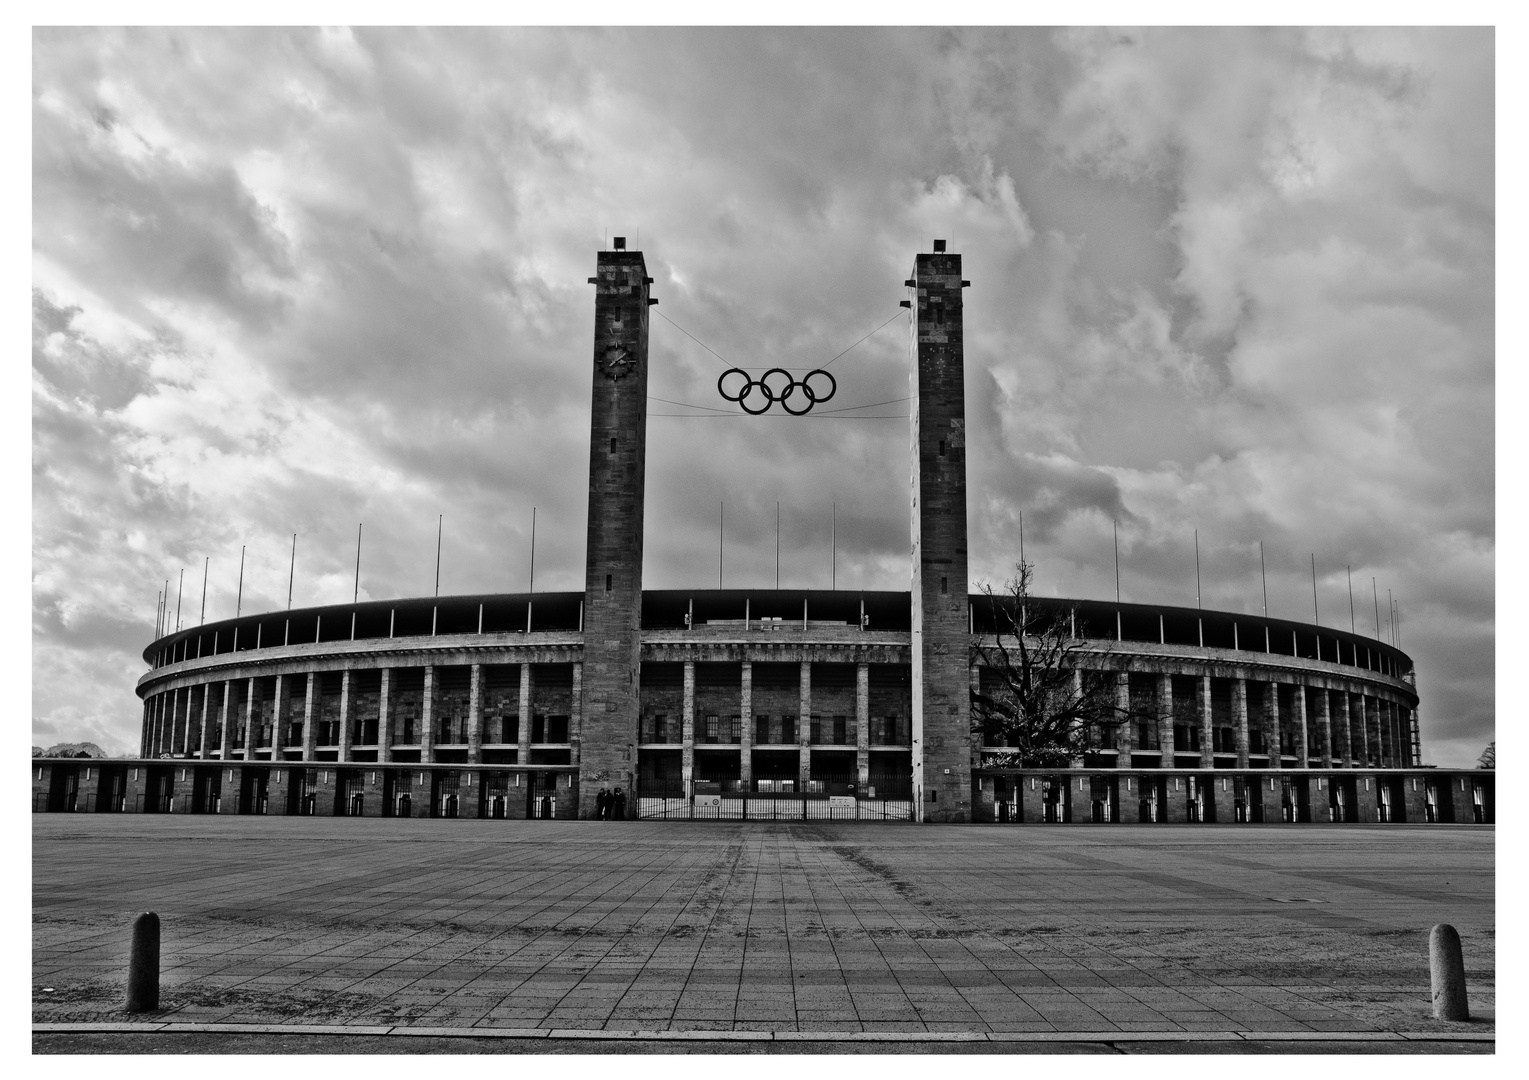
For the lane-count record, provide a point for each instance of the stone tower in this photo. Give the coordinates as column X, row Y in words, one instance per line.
column 607, row 750
column 941, row 621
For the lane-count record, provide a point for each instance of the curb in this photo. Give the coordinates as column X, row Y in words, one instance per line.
column 603, row 1035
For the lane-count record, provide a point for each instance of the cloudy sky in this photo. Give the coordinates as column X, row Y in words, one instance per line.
column 1237, row 282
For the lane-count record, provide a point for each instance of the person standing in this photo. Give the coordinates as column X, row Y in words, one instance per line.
column 620, row 808
column 602, row 800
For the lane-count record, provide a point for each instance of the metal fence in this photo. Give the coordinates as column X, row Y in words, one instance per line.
column 703, row 802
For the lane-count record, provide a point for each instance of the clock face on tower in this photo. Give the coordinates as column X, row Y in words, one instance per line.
column 616, row 361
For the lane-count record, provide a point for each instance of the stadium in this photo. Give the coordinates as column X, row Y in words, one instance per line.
column 762, row 704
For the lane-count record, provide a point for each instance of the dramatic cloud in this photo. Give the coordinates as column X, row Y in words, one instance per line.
column 1237, row 282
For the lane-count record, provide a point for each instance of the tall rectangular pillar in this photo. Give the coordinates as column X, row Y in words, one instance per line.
column 523, row 729
column 1302, row 749
column 862, row 726
column 942, row 735
column 475, row 716
column 427, row 717
column 345, row 732
column 310, row 732
column 1207, row 726
column 1125, row 729
column 1342, row 735
column 1274, row 741
column 804, row 728
column 203, row 749
column 1165, row 720
column 280, row 711
column 1325, row 728
column 576, row 717
column 226, row 724
column 1240, row 719
column 613, row 554
column 249, row 721
column 746, row 727
column 384, row 722
column 687, row 723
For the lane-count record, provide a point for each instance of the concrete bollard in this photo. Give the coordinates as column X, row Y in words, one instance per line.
column 143, row 965
column 1446, row 968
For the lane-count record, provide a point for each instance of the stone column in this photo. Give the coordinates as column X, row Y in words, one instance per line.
column 1240, row 719
column 746, row 728
column 1387, row 736
column 345, row 732
column 475, row 715
column 687, row 724
column 1302, row 750
column 1077, row 695
column 576, row 722
column 283, row 695
column 384, row 721
column 427, row 718
column 1165, row 720
column 1273, row 738
column 1207, row 726
column 1125, row 730
column 204, row 749
column 183, row 723
column 226, row 724
column 249, row 721
column 863, row 725
column 310, row 728
column 174, row 727
column 523, row 735
column 804, row 729
column 1325, row 728
column 1371, row 730
column 1342, row 733
column 940, row 681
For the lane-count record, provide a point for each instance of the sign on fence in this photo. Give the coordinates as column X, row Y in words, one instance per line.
column 841, row 802
column 708, row 800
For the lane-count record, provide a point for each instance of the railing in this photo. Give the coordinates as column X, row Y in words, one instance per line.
column 723, row 801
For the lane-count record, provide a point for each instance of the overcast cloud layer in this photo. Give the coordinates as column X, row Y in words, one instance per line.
column 1240, row 282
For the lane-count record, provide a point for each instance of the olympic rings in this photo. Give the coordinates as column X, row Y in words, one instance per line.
column 754, row 389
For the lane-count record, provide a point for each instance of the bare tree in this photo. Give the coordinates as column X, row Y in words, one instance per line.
column 1488, row 758
column 1037, row 699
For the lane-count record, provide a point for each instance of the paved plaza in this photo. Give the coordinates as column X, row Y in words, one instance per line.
column 672, row 926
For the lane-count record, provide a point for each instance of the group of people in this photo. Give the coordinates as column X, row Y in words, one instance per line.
column 610, row 805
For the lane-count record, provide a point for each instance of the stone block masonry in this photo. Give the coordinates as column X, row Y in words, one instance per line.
column 606, row 743
column 941, row 626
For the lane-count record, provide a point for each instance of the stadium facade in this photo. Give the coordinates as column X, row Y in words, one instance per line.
column 761, row 704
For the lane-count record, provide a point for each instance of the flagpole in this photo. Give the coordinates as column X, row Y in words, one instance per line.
column 1263, row 576
column 1115, row 522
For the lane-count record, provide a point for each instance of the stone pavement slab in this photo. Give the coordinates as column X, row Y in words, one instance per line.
column 810, row 928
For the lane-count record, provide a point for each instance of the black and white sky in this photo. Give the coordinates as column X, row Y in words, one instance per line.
column 1235, row 281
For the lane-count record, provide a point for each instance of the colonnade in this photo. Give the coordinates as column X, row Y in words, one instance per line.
column 746, row 742
column 202, row 720
column 1351, row 729
column 1328, row 727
